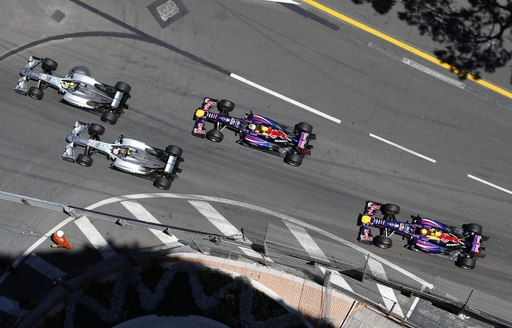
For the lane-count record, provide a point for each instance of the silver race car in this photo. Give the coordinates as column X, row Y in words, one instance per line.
column 77, row 88
column 127, row 155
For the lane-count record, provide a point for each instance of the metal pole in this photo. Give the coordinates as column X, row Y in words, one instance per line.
column 363, row 276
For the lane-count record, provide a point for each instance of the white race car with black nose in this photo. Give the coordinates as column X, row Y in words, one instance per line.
column 127, row 155
column 77, row 88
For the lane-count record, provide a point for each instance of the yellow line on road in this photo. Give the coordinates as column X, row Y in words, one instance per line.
column 405, row 46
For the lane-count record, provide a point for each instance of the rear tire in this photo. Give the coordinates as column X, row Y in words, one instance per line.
column 49, row 65
column 123, row 87
column 35, row 93
column 162, row 183
column 467, row 263
column 109, row 118
column 96, row 129
column 293, row 159
column 174, row 150
column 226, row 105
column 473, row 228
column 84, row 160
column 80, row 70
column 215, row 136
column 382, row 242
column 304, row 127
column 390, row 209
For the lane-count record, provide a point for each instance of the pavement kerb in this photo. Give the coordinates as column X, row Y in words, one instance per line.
column 294, row 293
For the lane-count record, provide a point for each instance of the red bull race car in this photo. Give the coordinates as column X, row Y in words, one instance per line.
column 256, row 131
column 464, row 245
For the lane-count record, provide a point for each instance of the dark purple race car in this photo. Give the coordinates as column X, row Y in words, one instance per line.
column 256, row 131
column 464, row 245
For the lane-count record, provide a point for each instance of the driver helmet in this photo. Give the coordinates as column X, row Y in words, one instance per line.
column 64, row 84
column 122, row 151
column 72, row 85
column 424, row 232
column 252, row 127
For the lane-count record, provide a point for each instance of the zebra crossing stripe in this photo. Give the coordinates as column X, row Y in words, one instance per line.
column 224, row 226
column 306, row 241
column 95, row 238
column 142, row 214
column 43, row 267
column 387, row 293
column 11, row 307
column 337, row 279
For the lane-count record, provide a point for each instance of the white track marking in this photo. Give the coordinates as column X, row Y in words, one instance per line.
column 280, row 96
column 402, row 148
column 387, row 293
column 224, row 226
column 268, row 212
column 45, row 268
column 489, row 184
column 11, row 307
column 433, row 73
column 413, row 306
column 95, row 238
column 306, row 241
column 284, row 1
column 142, row 214
column 337, row 279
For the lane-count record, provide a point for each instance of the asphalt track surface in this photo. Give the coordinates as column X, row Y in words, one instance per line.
column 296, row 51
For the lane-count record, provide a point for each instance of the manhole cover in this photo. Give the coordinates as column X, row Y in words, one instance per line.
column 167, row 12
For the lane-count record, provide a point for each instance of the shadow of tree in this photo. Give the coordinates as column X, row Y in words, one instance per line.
column 473, row 33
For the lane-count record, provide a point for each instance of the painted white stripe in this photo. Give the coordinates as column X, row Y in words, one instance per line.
column 94, row 237
column 215, row 218
column 489, row 184
column 224, row 226
column 402, row 148
column 433, row 73
column 413, row 306
column 280, row 96
column 45, row 268
column 306, row 241
column 260, row 209
column 337, row 279
column 11, row 307
column 142, row 214
column 387, row 293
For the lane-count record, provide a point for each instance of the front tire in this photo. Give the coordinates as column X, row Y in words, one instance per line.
column 225, row 105
column 123, row 87
column 215, row 136
column 174, row 150
column 293, row 159
column 96, row 129
column 390, row 209
column 84, row 160
column 109, row 118
column 162, row 183
column 49, row 65
column 35, row 93
column 382, row 242
column 467, row 263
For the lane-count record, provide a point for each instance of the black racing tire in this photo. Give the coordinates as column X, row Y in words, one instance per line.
column 215, row 135
column 390, row 209
column 473, row 228
column 84, row 160
column 174, row 150
column 35, row 93
column 162, row 183
column 225, row 104
column 109, row 117
column 382, row 242
column 123, row 87
column 304, row 127
column 464, row 262
column 80, row 70
column 293, row 159
column 96, row 129
column 49, row 65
